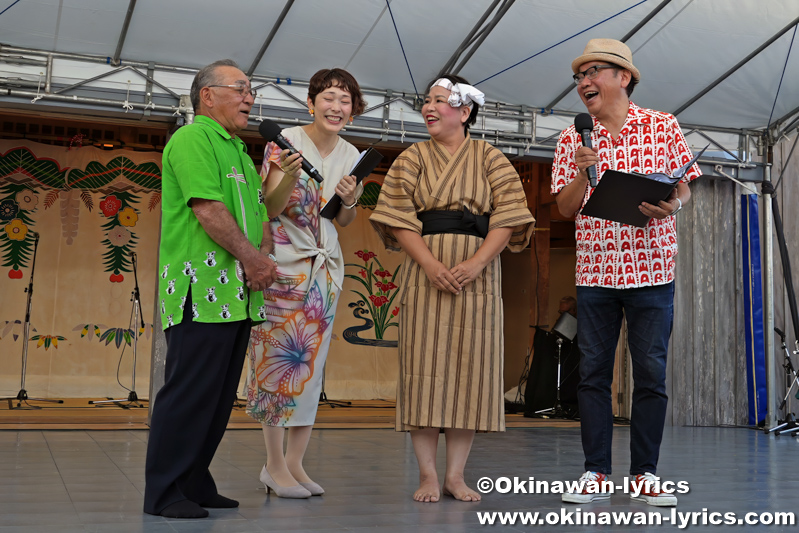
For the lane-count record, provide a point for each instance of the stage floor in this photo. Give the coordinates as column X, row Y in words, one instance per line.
column 77, row 413
column 92, row 481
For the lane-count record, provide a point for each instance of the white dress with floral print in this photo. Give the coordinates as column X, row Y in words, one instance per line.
column 288, row 351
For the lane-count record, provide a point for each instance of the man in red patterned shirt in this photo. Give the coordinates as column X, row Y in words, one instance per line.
column 622, row 270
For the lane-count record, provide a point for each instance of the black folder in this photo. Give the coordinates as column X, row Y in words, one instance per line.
column 366, row 163
column 618, row 194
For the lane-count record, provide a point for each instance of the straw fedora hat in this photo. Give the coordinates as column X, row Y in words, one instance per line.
column 610, row 51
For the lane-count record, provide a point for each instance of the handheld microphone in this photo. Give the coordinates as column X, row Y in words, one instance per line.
column 583, row 123
column 270, row 131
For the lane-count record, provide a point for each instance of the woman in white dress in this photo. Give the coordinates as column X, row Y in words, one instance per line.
column 288, row 351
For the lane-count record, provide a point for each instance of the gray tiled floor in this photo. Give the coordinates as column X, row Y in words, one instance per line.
column 92, row 481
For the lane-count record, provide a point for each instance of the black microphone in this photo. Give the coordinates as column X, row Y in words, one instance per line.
column 583, row 123
column 270, row 131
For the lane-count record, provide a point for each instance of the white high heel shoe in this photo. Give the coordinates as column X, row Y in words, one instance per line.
column 314, row 488
column 295, row 491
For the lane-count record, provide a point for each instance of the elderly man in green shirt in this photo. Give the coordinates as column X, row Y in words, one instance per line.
column 215, row 259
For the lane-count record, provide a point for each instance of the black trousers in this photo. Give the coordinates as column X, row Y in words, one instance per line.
column 191, row 411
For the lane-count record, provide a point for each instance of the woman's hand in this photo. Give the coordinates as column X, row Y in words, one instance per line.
column 346, row 190
column 290, row 165
column 467, row 271
column 441, row 278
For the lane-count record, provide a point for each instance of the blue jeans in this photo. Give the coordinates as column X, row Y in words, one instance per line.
column 650, row 313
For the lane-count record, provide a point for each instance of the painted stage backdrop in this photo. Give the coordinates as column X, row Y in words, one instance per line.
column 92, row 211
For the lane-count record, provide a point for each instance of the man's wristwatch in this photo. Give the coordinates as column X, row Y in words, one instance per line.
column 678, row 207
column 272, row 257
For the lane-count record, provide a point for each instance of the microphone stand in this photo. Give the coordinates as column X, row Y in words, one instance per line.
column 557, row 410
column 133, row 399
column 324, row 400
column 22, row 395
column 789, row 423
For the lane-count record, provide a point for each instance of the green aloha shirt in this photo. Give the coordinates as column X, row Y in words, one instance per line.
column 202, row 160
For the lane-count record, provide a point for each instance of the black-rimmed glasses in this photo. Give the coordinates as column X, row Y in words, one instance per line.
column 590, row 73
column 241, row 89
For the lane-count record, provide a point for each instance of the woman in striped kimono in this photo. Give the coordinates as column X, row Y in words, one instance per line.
column 288, row 351
column 452, row 204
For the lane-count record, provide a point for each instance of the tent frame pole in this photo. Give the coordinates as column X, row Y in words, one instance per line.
column 768, row 294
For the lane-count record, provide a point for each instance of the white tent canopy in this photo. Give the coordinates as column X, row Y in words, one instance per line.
column 682, row 48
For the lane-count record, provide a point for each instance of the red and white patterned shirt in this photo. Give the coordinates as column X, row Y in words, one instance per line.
column 614, row 255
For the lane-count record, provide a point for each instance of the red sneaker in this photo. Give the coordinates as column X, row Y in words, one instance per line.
column 649, row 491
column 590, row 487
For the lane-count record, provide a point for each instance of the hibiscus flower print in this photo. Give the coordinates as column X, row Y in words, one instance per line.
column 279, row 234
column 288, row 365
column 303, row 205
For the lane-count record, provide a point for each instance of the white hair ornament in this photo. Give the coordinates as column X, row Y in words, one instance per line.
column 461, row 93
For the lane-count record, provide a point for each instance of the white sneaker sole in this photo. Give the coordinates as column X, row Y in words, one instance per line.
column 583, row 498
column 657, row 501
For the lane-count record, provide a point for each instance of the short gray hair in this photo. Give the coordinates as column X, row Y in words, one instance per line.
column 205, row 77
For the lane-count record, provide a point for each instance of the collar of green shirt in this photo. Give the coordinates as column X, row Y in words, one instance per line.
column 213, row 124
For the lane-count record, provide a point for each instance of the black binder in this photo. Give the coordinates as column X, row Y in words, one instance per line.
column 618, row 194
column 369, row 159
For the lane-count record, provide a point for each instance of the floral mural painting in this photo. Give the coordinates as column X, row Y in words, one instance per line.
column 47, row 341
column 120, row 240
column 115, row 335
column 375, row 306
column 116, row 180
column 17, row 203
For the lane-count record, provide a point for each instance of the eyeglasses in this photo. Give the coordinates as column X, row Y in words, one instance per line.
column 590, row 73
column 239, row 88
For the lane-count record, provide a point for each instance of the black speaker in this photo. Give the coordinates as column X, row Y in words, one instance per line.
column 565, row 327
column 542, row 380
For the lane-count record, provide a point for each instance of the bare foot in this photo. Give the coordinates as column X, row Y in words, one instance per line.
column 457, row 489
column 428, row 490
column 281, row 475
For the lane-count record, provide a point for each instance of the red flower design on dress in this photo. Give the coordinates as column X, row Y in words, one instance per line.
column 110, row 206
column 378, row 301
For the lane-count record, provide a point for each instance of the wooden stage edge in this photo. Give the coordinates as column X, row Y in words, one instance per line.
column 78, row 414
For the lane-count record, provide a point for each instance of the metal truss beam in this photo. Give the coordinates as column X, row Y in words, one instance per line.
column 468, row 40
column 484, row 33
column 523, row 133
column 268, row 41
column 123, row 34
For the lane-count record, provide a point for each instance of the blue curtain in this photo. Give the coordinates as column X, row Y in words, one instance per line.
column 753, row 311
